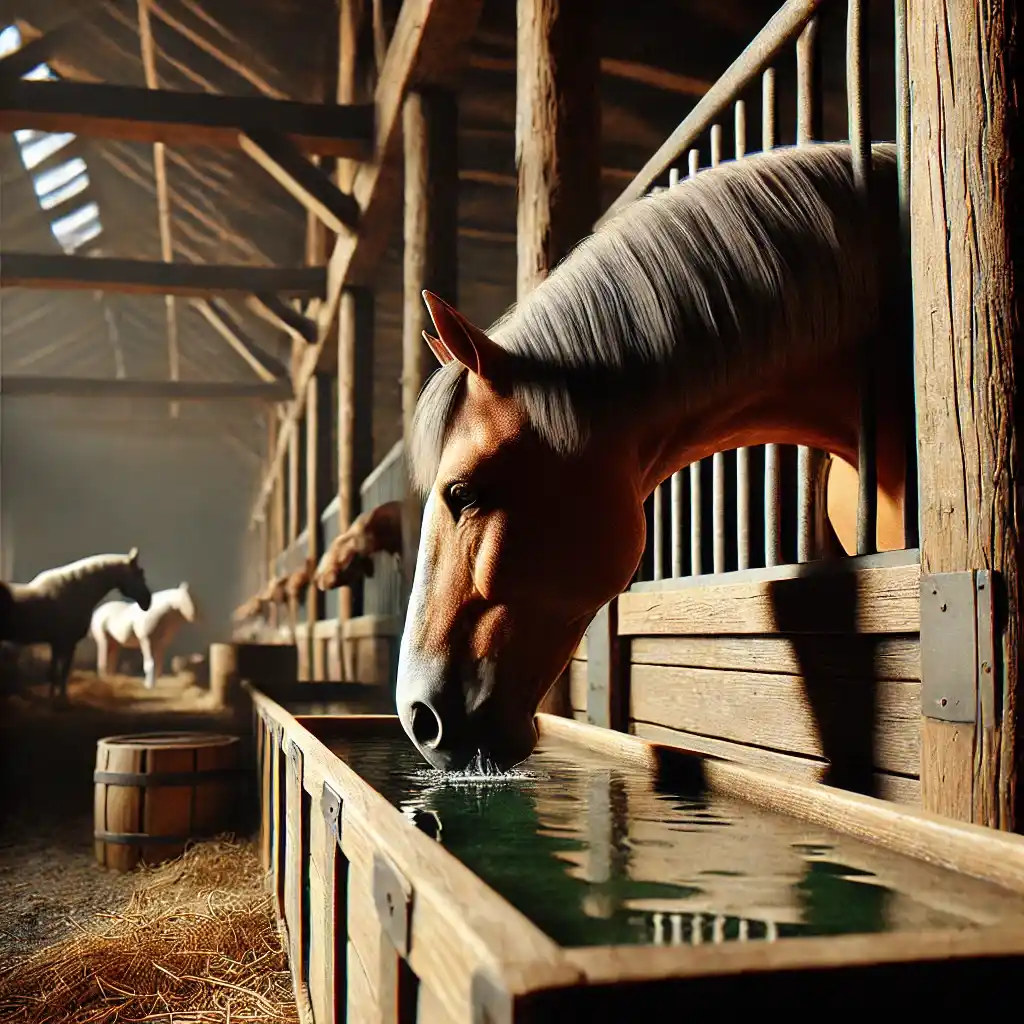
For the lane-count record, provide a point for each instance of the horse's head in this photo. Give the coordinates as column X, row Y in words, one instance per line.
column 187, row 603
column 348, row 559
column 132, row 583
column 519, row 547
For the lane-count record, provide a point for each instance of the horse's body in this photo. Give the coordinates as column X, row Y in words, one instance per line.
column 733, row 309
column 349, row 557
column 56, row 606
column 124, row 624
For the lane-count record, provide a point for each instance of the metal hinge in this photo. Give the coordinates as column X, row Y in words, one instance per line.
column 393, row 899
column 330, row 805
column 958, row 647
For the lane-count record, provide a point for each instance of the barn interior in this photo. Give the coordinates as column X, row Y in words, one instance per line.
column 205, row 324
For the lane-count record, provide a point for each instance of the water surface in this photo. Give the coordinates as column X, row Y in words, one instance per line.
column 593, row 855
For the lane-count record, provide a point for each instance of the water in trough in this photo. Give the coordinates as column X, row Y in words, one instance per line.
column 593, row 854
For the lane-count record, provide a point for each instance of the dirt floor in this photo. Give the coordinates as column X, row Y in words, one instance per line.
column 49, row 879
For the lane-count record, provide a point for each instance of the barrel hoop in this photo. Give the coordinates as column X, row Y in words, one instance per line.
column 167, row 778
column 141, row 839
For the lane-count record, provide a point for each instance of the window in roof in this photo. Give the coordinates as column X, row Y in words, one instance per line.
column 78, row 227
column 57, row 176
column 38, row 150
column 65, row 192
column 40, row 73
column 10, row 40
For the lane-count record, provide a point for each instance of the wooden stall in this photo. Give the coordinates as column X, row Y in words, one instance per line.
column 381, row 922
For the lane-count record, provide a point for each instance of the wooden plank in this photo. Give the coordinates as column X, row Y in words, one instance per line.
column 266, row 367
column 322, row 924
column 183, row 119
column 899, row 788
column 57, row 271
column 776, row 712
column 558, row 133
column 21, row 386
column 966, row 257
column 895, row 658
column 867, row 601
column 578, row 685
column 35, row 51
column 302, row 179
column 319, row 487
column 607, row 670
column 275, row 311
column 427, row 48
column 373, row 625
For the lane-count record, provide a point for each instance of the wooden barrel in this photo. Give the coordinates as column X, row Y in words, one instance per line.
column 156, row 791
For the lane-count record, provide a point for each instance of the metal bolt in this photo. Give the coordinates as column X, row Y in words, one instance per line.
column 986, row 667
column 942, row 702
column 942, row 607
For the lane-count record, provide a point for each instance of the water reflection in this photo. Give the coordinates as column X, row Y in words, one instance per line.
column 594, row 855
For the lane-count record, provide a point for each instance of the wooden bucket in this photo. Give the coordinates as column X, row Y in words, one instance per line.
column 156, row 791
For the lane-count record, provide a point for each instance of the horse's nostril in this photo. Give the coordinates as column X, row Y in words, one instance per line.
column 426, row 726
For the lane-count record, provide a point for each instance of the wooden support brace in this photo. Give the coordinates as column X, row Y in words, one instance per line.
column 283, row 316
column 302, row 179
column 35, row 52
column 176, row 390
column 266, row 366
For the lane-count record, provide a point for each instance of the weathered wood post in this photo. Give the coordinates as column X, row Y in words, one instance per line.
column 967, row 255
column 430, row 260
column 319, row 457
column 558, row 157
column 355, row 429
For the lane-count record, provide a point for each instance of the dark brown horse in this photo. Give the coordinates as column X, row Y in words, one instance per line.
column 730, row 310
column 350, row 555
column 56, row 607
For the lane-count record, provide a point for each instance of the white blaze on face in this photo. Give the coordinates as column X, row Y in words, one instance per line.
column 415, row 667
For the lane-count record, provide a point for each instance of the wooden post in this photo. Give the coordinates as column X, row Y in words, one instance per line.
column 318, row 489
column 430, row 133
column 355, row 414
column 967, row 252
column 558, row 155
column 558, row 132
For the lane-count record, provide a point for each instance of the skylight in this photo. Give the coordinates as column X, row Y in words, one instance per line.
column 55, row 186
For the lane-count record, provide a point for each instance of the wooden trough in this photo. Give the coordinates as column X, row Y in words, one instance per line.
column 383, row 924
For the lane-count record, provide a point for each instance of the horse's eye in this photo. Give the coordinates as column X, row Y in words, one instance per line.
column 460, row 497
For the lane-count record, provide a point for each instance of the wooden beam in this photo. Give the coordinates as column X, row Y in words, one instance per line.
column 558, row 133
column 267, row 368
column 163, row 202
column 183, row 119
column 302, row 179
column 152, row 277
column 179, row 390
column 355, row 414
column 968, row 262
column 319, row 485
column 427, row 48
column 275, row 311
column 35, row 51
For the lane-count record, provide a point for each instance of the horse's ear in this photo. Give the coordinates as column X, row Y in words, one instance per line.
column 465, row 342
column 437, row 346
column 133, row 555
column 183, row 586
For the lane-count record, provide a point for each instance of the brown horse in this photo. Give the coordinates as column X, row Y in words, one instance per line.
column 56, row 606
column 350, row 555
column 730, row 310
column 296, row 584
column 253, row 608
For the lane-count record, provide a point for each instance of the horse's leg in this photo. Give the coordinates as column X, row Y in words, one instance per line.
column 147, row 662
column 102, row 652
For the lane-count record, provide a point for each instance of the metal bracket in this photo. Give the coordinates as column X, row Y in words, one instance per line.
column 958, row 646
column 490, row 1001
column 393, row 899
column 330, row 806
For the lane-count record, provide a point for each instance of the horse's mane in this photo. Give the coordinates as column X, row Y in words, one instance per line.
column 87, row 566
column 727, row 270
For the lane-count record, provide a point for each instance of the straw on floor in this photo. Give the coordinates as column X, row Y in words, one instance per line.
column 196, row 944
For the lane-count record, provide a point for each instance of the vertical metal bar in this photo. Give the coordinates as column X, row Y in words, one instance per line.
column 772, row 462
column 676, row 511
column 807, row 130
column 860, row 145
column 718, row 459
column 742, row 454
column 696, row 521
column 659, row 532
column 910, row 496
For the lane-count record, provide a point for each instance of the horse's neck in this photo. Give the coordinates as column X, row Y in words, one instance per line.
column 89, row 588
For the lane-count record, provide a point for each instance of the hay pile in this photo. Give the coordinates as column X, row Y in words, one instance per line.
column 196, row 943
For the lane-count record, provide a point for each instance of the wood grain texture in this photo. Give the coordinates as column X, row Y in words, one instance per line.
column 775, row 711
column 884, row 600
column 898, row 788
column 558, row 133
column 966, row 251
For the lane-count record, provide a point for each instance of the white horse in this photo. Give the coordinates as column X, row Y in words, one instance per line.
column 123, row 624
